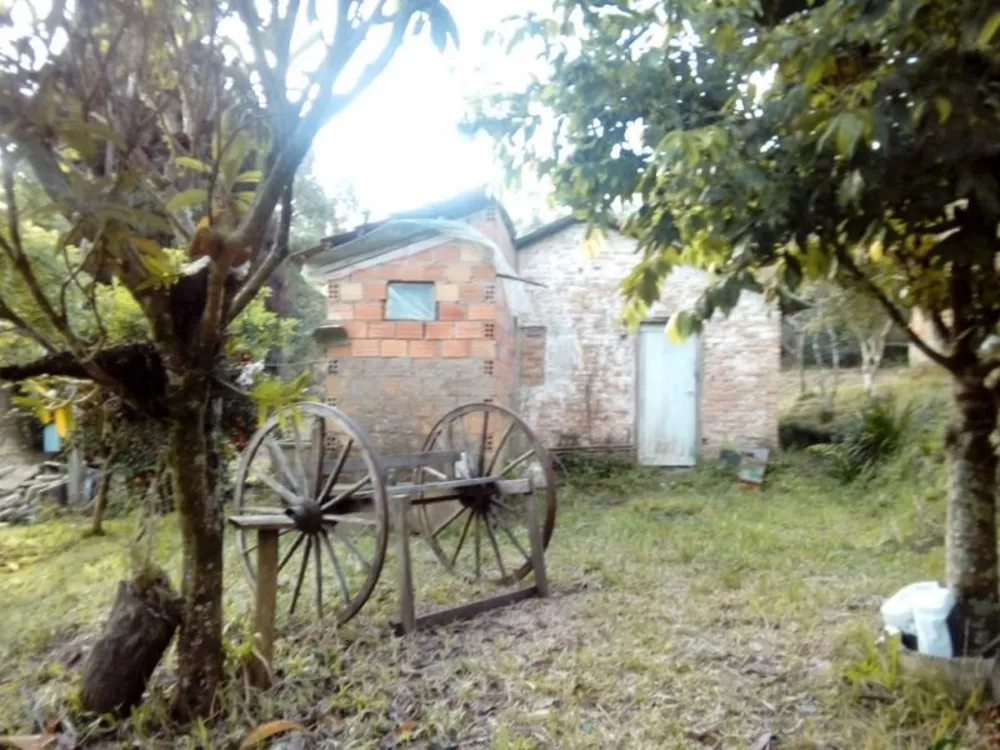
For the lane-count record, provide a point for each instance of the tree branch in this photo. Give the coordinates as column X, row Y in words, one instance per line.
column 897, row 315
column 271, row 263
column 326, row 106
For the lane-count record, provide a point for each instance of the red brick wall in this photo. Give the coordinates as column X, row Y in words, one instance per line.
column 396, row 378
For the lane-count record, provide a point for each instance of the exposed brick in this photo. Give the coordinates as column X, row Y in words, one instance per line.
column 483, row 272
column 485, row 349
column 470, row 254
column 458, row 272
column 451, row 311
column 368, row 311
column 446, row 292
column 482, row 312
column 409, row 329
column 468, row 330
column 422, row 349
column 454, row 348
column 448, row 253
column 365, row 348
column 340, row 311
column 351, row 292
column 470, row 292
column 382, row 329
column 392, row 348
column 356, row 329
column 405, row 270
column 439, row 330
column 373, row 290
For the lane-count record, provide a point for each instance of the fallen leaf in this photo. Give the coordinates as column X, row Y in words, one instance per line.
column 764, row 742
column 404, row 729
column 270, row 729
column 30, row 741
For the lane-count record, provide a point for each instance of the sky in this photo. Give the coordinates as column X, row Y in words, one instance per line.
column 399, row 144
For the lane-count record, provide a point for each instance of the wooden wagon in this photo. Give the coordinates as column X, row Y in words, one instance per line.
column 315, row 502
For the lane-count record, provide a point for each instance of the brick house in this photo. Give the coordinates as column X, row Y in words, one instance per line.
column 436, row 317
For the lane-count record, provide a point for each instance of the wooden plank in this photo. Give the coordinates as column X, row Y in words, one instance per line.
column 399, row 461
column 537, row 547
column 504, row 486
column 267, row 598
column 402, row 531
column 465, row 611
column 260, row 523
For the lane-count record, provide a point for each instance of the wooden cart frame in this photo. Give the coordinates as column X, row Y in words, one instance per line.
column 313, row 491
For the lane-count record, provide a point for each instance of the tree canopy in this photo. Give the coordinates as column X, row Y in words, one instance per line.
column 779, row 143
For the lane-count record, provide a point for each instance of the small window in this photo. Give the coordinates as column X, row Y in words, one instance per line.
column 409, row 301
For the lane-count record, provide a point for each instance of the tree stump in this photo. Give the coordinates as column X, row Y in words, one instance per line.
column 144, row 617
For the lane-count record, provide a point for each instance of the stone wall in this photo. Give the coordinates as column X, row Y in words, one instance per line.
column 588, row 387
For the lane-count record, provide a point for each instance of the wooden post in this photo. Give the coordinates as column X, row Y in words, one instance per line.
column 537, row 546
column 74, row 476
column 407, row 615
column 267, row 597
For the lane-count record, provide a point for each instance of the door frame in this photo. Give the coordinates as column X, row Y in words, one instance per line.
column 698, row 362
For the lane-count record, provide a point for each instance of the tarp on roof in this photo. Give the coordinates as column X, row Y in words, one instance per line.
column 396, row 234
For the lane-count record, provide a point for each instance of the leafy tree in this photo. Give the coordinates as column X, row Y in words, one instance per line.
column 165, row 136
column 851, row 142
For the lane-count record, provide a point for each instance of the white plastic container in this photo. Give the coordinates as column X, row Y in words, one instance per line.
column 930, row 615
column 897, row 610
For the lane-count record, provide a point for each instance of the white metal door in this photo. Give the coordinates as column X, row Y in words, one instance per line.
column 667, row 398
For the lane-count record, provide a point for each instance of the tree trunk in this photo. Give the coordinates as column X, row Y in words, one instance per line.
column 971, row 528
column 103, row 489
column 800, row 350
column 144, row 618
column 199, row 652
column 835, row 363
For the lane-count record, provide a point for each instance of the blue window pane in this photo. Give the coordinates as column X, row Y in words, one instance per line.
column 409, row 301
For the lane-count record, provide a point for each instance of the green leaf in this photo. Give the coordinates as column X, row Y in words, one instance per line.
column 195, row 165
column 251, row 175
column 849, row 130
column 943, row 107
column 850, row 189
column 187, row 198
column 989, row 30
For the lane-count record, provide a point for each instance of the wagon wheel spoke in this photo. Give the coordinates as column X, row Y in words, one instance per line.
column 291, row 551
column 510, row 535
column 461, row 539
column 335, row 474
column 302, row 575
column 300, row 459
column 478, row 551
column 336, row 565
column 254, row 546
column 346, row 493
column 290, row 498
column 499, row 449
column 319, row 579
column 279, row 458
column 496, row 547
column 318, row 439
column 517, row 462
column 365, row 562
column 482, row 444
column 450, row 520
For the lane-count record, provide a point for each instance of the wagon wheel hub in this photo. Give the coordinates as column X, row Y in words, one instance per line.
column 478, row 498
column 308, row 518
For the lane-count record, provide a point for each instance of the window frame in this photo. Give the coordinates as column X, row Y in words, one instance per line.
column 411, row 284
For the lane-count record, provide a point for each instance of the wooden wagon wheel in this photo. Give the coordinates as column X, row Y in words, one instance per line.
column 319, row 470
column 486, row 529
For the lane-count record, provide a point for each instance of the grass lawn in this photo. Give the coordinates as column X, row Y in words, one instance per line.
column 686, row 612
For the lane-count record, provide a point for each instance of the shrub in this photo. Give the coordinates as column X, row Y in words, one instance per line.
column 876, row 436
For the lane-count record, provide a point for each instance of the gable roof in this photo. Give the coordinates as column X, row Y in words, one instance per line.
column 399, row 229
